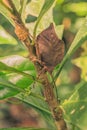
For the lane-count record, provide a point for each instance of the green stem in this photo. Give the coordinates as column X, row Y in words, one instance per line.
column 61, row 66
column 37, row 96
column 32, row 104
column 35, row 28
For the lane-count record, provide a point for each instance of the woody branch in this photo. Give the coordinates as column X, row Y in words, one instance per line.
column 23, row 34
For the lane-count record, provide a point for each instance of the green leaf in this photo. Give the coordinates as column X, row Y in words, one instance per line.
column 22, row 9
column 75, row 108
column 41, row 107
column 80, row 37
column 81, row 62
column 47, row 4
column 9, row 84
column 9, row 50
column 33, row 8
column 17, row 61
column 59, row 30
column 35, row 98
column 5, row 12
column 18, row 70
column 23, row 82
column 36, row 101
column 4, row 67
column 60, row 1
column 31, row 18
column 17, row 4
column 5, row 38
column 78, row 8
column 8, row 89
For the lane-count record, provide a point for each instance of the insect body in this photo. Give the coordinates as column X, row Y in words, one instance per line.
column 49, row 48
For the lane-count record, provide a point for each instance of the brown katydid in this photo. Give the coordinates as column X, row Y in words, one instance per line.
column 49, row 49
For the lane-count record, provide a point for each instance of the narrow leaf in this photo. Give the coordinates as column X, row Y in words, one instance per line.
column 4, row 67
column 22, row 9
column 18, row 70
column 41, row 107
column 75, row 107
column 5, row 12
column 8, row 89
column 45, row 8
column 59, row 30
column 79, row 39
column 9, row 84
column 17, row 4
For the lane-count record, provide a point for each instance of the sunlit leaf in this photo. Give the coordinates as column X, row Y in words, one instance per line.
column 18, row 70
column 60, row 1
column 8, row 89
column 59, row 30
column 5, row 12
column 18, row 62
column 17, row 4
column 24, row 84
column 75, row 108
column 79, row 39
column 9, row 50
column 47, row 4
column 22, row 9
column 34, row 7
column 4, row 67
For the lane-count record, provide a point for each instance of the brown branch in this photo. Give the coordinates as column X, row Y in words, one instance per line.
column 23, row 34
